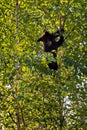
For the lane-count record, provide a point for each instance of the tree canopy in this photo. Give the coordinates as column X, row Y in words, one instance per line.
column 33, row 97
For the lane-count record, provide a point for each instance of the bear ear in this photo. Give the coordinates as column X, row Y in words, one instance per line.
column 45, row 35
column 40, row 39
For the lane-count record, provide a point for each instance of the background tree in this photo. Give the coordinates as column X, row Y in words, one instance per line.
column 32, row 96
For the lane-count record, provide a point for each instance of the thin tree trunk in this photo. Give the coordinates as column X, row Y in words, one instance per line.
column 18, row 119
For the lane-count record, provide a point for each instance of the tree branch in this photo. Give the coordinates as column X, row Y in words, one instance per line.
column 12, row 118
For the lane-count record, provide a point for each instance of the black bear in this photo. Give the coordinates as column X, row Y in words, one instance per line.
column 51, row 43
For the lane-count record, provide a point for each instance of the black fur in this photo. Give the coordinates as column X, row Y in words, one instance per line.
column 51, row 43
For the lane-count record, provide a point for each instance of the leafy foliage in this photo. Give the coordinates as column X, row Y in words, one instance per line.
column 32, row 96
